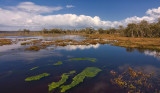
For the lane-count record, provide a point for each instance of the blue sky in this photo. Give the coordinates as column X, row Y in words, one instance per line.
column 106, row 10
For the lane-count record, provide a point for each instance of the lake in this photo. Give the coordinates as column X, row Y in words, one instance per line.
column 16, row 64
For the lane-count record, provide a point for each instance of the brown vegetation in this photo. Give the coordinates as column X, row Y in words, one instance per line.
column 5, row 42
column 130, row 42
column 35, row 48
column 133, row 81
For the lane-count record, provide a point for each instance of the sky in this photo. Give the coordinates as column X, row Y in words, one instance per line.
column 75, row 14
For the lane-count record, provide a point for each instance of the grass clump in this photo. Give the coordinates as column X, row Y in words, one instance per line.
column 89, row 59
column 88, row 72
column 34, row 68
column 26, row 43
column 58, row 63
column 35, row 48
column 37, row 77
column 64, row 78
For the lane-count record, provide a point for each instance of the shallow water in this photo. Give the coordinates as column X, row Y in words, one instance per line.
column 15, row 65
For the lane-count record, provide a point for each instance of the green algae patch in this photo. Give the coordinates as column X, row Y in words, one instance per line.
column 58, row 63
column 78, row 59
column 37, row 77
column 34, row 68
column 64, row 78
column 88, row 72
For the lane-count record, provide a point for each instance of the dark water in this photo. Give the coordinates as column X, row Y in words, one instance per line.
column 15, row 64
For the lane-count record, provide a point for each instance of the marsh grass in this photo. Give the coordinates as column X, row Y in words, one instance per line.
column 78, row 59
column 37, row 77
column 130, row 42
column 26, row 43
column 35, row 48
column 5, row 42
column 65, row 42
column 32, row 42
column 88, row 72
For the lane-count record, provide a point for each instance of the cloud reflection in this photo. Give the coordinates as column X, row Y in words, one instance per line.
column 29, row 56
column 152, row 53
column 75, row 47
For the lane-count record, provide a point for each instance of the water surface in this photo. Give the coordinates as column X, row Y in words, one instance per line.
column 15, row 65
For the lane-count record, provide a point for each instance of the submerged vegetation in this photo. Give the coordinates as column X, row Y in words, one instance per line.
column 88, row 72
column 34, row 68
column 54, row 85
column 58, row 63
column 37, row 77
column 64, row 78
column 89, row 59
column 133, row 81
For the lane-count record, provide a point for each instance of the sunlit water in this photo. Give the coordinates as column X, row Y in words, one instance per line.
column 15, row 65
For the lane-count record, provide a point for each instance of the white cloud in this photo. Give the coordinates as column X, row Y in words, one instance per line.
column 29, row 15
column 153, row 11
column 69, row 6
column 30, row 7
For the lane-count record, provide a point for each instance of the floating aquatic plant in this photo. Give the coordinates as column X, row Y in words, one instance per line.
column 34, row 68
column 89, row 59
column 58, row 63
column 37, row 77
column 88, row 72
column 64, row 78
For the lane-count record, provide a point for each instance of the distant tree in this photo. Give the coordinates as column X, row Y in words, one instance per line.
column 45, row 30
column 56, row 31
column 89, row 30
column 101, row 31
column 26, row 31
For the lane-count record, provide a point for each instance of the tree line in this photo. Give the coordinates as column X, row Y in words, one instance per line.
column 142, row 29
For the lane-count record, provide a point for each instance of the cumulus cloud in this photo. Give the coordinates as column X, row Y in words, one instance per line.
column 29, row 15
column 153, row 12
